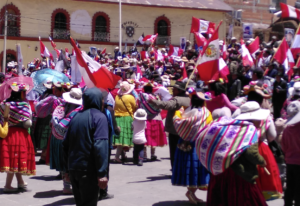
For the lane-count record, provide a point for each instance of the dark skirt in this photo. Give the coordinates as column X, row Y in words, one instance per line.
column 42, row 131
column 229, row 189
column 187, row 169
column 56, row 154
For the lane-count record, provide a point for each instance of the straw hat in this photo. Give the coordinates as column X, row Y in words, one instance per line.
column 125, row 67
column 293, row 111
column 192, row 91
column 140, row 114
column 125, row 88
column 19, row 87
column 252, row 111
column 48, row 84
column 184, row 59
column 74, row 96
column 296, row 89
column 260, row 90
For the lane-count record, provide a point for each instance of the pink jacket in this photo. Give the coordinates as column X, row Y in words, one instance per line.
column 219, row 102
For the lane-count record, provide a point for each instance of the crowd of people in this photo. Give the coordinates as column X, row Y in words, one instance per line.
column 236, row 137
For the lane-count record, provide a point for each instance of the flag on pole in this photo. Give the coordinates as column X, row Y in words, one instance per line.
column 150, row 38
column 44, row 51
column 200, row 39
column 104, row 51
column 92, row 72
column 140, row 40
column 208, row 67
column 247, row 59
column 223, row 69
column 284, row 56
column 158, row 55
column 253, row 47
column 289, row 11
column 295, row 47
column 20, row 60
column 139, row 73
column 54, row 46
column 144, row 55
column 202, row 26
column 175, row 51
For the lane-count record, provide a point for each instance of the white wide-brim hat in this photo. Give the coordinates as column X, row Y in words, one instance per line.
column 140, row 114
column 293, row 106
column 252, row 111
column 125, row 88
column 74, row 96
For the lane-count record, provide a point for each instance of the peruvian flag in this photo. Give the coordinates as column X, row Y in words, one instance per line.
column 200, row 39
column 104, row 51
column 144, row 55
column 295, row 47
column 150, row 38
column 284, row 56
column 289, row 11
column 158, row 55
column 94, row 75
column 208, row 67
column 202, row 26
column 247, row 59
column 44, row 51
column 253, row 47
column 223, row 69
column 175, row 51
column 54, row 46
column 139, row 73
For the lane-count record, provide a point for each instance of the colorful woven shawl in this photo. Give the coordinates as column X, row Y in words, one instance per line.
column 189, row 128
column 60, row 122
column 222, row 142
column 265, row 124
column 19, row 112
column 46, row 106
column 143, row 103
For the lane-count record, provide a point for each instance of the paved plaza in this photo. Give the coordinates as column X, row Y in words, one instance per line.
column 149, row 185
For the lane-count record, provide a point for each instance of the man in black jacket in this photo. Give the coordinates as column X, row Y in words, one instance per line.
column 279, row 94
column 86, row 149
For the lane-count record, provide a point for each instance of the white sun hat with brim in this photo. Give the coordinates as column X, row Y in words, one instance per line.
column 293, row 111
column 252, row 111
column 125, row 88
column 74, row 96
column 140, row 114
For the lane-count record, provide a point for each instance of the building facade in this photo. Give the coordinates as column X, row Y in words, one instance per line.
column 96, row 23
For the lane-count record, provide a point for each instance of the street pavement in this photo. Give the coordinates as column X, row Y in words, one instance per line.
column 149, row 185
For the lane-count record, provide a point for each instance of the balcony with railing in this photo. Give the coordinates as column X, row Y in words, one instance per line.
column 60, row 33
column 163, row 40
column 101, row 36
column 12, row 31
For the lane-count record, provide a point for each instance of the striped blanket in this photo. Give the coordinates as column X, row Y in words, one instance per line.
column 189, row 126
column 19, row 112
column 222, row 142
column 46, row 106
column 143, row 103
column 264, row 126
column 60, row 121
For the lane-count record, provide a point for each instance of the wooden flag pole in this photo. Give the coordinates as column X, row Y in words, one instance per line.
column 197, row 63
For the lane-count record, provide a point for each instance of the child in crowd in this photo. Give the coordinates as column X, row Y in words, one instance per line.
column 139, row 137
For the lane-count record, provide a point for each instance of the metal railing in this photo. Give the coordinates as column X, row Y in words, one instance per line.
column 101, row 36
column 60, row 33
column 12, row 31
column 163, row 40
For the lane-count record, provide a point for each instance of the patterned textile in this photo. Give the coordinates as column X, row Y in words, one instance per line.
column 222, row 142
column 189, row 128
column 19, row 112
column 46, row 106
column 264, row 126
column 60, row 122
column 143, row 103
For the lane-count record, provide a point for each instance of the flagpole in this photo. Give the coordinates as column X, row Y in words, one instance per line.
column 4, row 44
column 120, row 26
column 188, row 81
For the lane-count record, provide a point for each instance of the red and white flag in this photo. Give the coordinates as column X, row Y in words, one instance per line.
column 247, row 58
column 284, row 56
column 208, row 67
column 201, row 26
column 223, row 69
column 144, row 55
column 150, row 38
column 253, row 47
column 158, row 55
column 44, row 51
column 93, row 74
column 104, row 51
column 289, row 11
column 175, row 51
column 54, row 47
column 200, row 39
column 139, row 73
column 295, row 47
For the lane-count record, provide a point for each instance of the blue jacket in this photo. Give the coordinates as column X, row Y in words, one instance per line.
column 86, row 142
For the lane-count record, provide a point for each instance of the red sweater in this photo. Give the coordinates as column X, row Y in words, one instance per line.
column 290, row 144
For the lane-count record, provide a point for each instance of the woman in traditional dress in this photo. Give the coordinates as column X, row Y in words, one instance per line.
column 125, row 106
column 187, row 169
column 228, row 149
column 270, row 184
column 17, row 154
column 61, row 118
column 155, row 134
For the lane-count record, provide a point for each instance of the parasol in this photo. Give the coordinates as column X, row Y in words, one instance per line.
column 44, row 75
column 5, row 90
